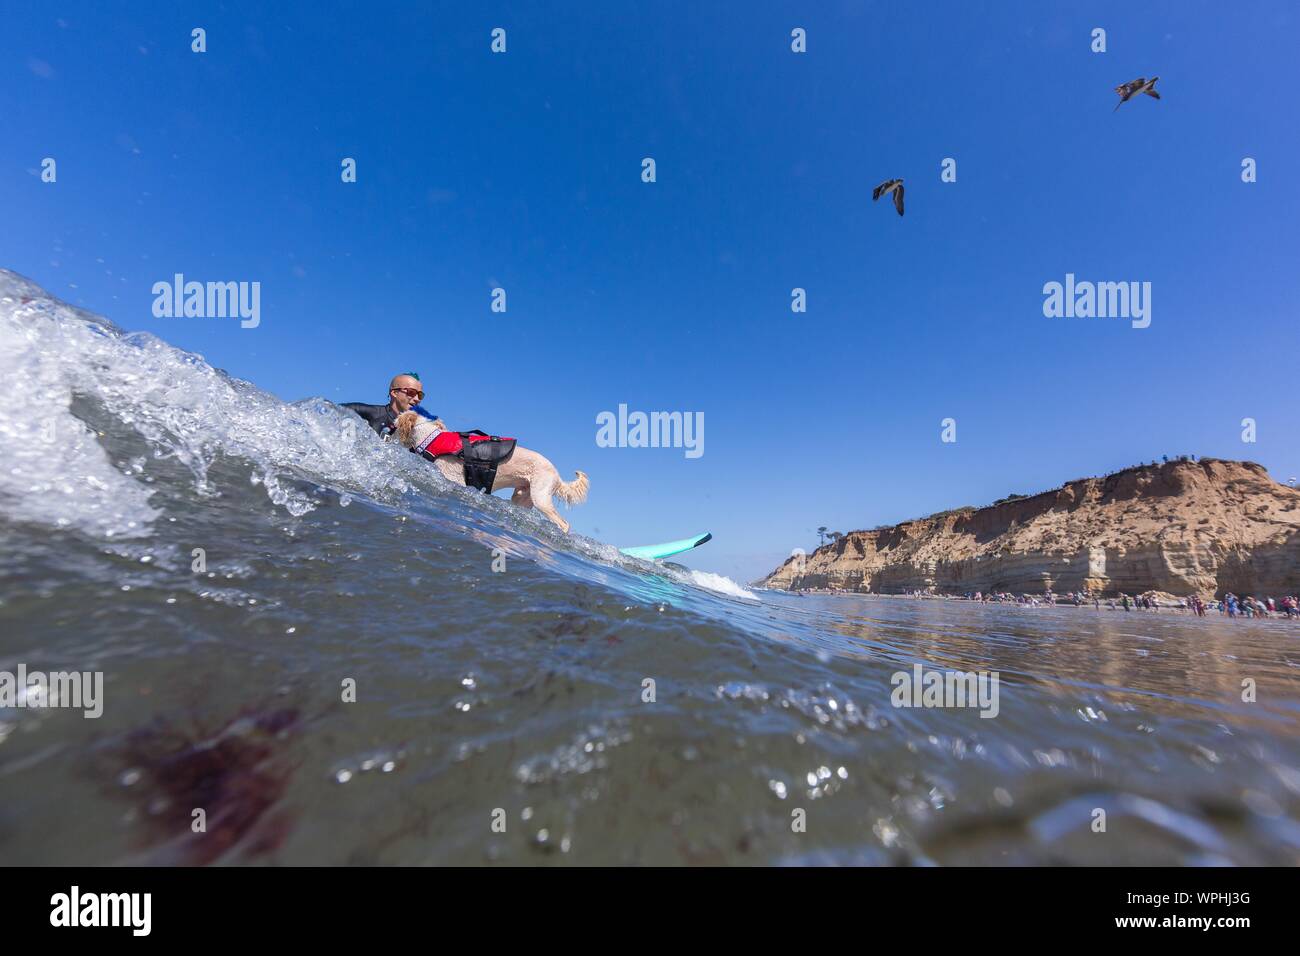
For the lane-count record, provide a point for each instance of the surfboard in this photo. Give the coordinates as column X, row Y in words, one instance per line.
column 652, row 552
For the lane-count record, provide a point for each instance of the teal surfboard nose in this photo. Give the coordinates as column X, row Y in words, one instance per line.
column 652, row 552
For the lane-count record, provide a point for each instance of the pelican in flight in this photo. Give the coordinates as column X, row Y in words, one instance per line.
column 894, row 186
column 1127, row 91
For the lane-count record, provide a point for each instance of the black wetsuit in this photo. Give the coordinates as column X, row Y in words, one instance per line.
column 381, row 419
column 378, row 417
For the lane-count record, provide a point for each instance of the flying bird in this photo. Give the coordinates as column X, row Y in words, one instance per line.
column 1127, row 91
column 894, row 186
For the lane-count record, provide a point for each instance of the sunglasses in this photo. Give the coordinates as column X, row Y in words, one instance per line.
column 414, row 393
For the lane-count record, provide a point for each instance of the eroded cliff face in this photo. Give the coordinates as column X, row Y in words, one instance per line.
column 1184, row 527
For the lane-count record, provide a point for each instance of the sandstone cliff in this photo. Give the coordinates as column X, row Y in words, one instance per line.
column 1184, row 527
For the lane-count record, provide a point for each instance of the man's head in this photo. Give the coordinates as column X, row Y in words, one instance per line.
column 404, row 391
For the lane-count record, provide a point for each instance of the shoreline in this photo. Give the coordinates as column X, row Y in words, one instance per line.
column 1108, row 604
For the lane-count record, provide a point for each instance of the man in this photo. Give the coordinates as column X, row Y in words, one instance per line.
column 480, row 467
column 404, row 393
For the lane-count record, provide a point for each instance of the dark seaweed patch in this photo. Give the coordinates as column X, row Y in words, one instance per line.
column 236, row 774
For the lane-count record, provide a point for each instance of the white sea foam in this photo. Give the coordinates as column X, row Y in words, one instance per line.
column 56, row 472
column 720, row 583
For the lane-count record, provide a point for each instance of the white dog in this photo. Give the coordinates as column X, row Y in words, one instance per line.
column 533, row 478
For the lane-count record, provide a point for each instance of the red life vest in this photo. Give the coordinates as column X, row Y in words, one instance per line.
column 452, row 443
column 480, row 461
column 441, row 443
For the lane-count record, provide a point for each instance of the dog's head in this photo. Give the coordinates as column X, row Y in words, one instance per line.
column 412, row 428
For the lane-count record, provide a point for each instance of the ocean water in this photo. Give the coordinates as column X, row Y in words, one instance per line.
column 232, row 564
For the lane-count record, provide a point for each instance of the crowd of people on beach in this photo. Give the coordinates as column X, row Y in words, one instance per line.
column 1229, row 606
column 1232, row 606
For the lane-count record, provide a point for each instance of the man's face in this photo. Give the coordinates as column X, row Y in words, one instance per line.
column 405, row 391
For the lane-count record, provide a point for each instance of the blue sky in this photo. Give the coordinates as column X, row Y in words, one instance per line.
column 523, row 170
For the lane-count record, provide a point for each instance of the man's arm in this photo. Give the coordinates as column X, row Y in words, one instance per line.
column 376, row 416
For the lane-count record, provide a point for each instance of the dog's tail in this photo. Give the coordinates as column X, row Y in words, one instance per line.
column 573, row 492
